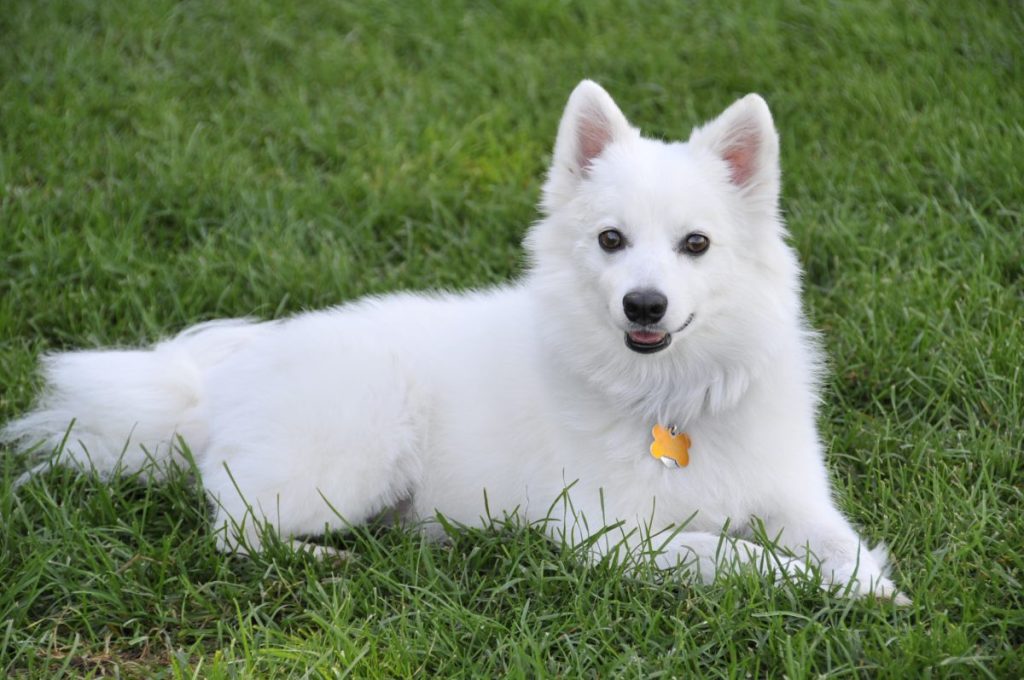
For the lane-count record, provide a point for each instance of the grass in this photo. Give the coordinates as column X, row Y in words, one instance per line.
column 163, row 163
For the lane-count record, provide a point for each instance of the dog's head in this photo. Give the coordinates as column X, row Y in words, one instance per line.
column 647, row 246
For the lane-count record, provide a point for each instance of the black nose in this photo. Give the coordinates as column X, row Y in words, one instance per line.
column 644, row 306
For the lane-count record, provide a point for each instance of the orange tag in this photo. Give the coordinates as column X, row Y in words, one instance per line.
column 673, row 450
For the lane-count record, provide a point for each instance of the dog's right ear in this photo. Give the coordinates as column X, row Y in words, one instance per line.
column 591, row 122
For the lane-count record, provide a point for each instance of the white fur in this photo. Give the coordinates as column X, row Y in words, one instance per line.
column 527, row 394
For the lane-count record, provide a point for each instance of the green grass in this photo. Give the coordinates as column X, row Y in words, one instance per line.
column 163, row 163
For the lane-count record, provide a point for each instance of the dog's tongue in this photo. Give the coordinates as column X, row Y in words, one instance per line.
column 646, row 337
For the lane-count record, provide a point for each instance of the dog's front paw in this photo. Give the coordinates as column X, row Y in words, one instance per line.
column 862, row 584
column 884, row 589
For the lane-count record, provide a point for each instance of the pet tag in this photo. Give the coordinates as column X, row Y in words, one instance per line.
column 671, row 448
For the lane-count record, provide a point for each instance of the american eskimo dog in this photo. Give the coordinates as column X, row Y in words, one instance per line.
column 651, row 372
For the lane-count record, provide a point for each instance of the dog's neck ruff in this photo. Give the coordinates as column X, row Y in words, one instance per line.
column 671, row 447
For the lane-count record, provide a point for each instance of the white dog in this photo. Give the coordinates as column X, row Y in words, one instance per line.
column 651, row 372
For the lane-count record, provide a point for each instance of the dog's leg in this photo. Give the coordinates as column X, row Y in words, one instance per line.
column 703, row 555
column 322, row 552
column 708, row 556
column 247, row 538
column 597, row 535
column 822, row 536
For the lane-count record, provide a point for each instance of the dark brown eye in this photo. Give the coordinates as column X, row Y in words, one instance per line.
column 695, row 243
column 611, row 240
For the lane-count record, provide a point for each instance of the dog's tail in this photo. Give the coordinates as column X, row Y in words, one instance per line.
column 117, row 410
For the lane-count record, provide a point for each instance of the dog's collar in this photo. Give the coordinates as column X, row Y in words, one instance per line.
column 670, row 446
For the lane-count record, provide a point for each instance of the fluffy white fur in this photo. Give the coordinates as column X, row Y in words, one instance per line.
column 525, row 394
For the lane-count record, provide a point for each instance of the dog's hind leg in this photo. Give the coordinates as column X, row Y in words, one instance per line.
column 247, row 538
column 272, row 488
column 318, row 427
column 320, row 472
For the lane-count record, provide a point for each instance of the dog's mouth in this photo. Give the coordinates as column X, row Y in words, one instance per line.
column 649, row 341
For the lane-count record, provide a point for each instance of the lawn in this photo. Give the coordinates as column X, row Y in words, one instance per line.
column 163, row 163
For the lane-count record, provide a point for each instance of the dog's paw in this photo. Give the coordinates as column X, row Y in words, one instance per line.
column 886, row 590
column 867, row 586
column 321, row 552
column 901, row 600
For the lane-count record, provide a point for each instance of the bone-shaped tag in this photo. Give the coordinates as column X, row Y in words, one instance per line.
column 672, row 449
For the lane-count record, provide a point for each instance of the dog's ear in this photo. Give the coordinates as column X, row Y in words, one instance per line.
column 590, row 123
column 744, row 138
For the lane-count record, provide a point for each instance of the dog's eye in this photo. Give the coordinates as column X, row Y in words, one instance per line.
column 611, row 240
column 695, row 243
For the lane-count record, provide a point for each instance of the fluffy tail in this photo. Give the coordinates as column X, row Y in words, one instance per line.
column 110, row 410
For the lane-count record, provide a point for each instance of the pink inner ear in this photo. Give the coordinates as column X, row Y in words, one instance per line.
column 594, row 135
column 742, row 159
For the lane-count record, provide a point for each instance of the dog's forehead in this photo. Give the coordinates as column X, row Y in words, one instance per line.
column 658, row 184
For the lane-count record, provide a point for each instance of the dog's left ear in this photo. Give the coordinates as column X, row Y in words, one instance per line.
column 744, row 137
column 590, row 124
